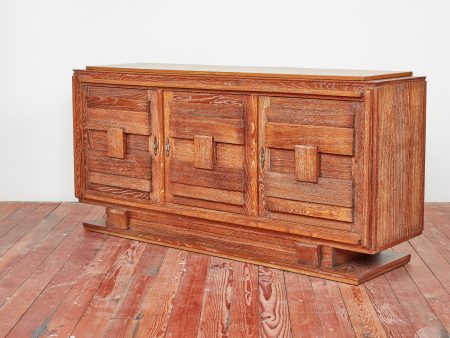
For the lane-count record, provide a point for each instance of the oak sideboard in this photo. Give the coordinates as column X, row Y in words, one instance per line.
column 308, row 170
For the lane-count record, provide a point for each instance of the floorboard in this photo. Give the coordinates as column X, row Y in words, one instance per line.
column 57, row 280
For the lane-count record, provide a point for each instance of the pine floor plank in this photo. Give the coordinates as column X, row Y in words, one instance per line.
column 34, row 236
column 25, row 225
column 331, row 308
column 158, row 302
column 84, row 288
column 215, row 317
column 433, row 259
column 362, row 314
column 16, row 217
column 34, row 320
column 94, row 321
column 22, row 298
column 244, row 307
column 391, row 314
column 128, row 308
column 418, row 311
column 433, row 233
column 436, row 296
column 274, row 304
column 305, row 319
column 8, row 208
column 188, row 302
column 14, row 278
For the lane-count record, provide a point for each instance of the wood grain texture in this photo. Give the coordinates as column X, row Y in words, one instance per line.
column 26, row 244
column 307, row 165
column 341, row 239
column 188, row 303
column 274, row 307
column 244, row 308
column 390, row 312
column 251, row 155
column 331, row 308
column 8, row 208
column 331, row 140
column 209, row 194
column 116, row 142
column 154, row 316
column 131, row 122
column 434, row 292
column 215, row 318
column 219, row 178
column 203, row 152
column 156, row 140
column 422, row 318
column 221, row 129
column 325, row 191
column 399, row 197
column 120, row 181
column 83, row 290
column 316, row 112
column 331, row 166
column 303, row 314
column 364, row 319
column 69, row 287
column 126, row 315
column 16, row 225
column 310, row 209
column 135, row 165
column 31, row 276
column 117, row 218
column 97, row 140
column 308, row 254
column 47, row 287
column 103, row 304
column 303, row 73
column 128, row 98
column 227, row 155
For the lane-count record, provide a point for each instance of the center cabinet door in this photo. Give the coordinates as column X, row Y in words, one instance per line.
column 211, row 150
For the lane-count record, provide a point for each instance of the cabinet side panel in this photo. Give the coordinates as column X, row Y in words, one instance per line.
column 400, row 153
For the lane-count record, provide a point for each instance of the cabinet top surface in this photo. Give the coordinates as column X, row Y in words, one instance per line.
column 278, row 72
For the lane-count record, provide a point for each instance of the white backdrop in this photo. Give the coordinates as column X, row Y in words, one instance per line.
column 42, row 41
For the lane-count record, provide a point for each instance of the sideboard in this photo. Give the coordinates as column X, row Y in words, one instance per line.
column 314, row 171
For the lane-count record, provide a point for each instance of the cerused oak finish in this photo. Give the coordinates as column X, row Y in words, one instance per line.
column 312, row 171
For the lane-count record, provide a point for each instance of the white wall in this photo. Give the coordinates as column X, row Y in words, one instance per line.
column 42, row 41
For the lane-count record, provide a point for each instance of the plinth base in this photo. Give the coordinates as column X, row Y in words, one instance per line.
column 257, row 246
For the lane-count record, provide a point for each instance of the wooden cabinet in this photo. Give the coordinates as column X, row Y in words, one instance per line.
column 313, row 171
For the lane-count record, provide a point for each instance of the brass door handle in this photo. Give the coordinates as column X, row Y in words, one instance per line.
column 262, row 157
column 155, row 146
column 167, row 147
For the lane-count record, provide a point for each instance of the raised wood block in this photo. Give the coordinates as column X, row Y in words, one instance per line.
column 308, row 254
column 203, row 152
column 116, row 142
column 116, row 218
column 313, row 171
column 307, row 165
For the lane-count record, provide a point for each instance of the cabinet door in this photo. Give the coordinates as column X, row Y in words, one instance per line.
column 211, row 149
column 122, row 143
column 311, row 161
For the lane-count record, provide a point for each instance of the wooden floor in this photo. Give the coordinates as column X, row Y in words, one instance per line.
column 56, row 280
